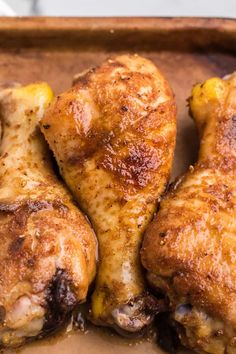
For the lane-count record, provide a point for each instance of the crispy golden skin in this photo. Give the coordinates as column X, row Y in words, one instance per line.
column 113, row 135
column 189, row 249
column 48, row 249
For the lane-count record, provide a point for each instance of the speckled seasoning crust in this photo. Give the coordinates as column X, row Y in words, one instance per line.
column 48, row 249
column 113, row 135
column 189, row 249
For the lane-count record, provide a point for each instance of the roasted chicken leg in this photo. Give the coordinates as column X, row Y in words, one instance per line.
column 113, row 135
column 189, row 249
column 48, row 249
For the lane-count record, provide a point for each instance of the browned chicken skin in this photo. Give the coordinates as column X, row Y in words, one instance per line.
column 189, row 249
column 48, row 249
column 113, row 135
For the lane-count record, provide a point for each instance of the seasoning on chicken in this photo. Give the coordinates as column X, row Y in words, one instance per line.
column 113, row 135
column 189, row 249
column 48, row 249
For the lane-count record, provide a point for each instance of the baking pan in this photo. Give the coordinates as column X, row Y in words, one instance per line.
column 187, row 50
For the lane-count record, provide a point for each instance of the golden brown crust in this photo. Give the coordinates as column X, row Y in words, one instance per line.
column 192, row 241
column 113, row 135
column 115, row 97
column 44, row 237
